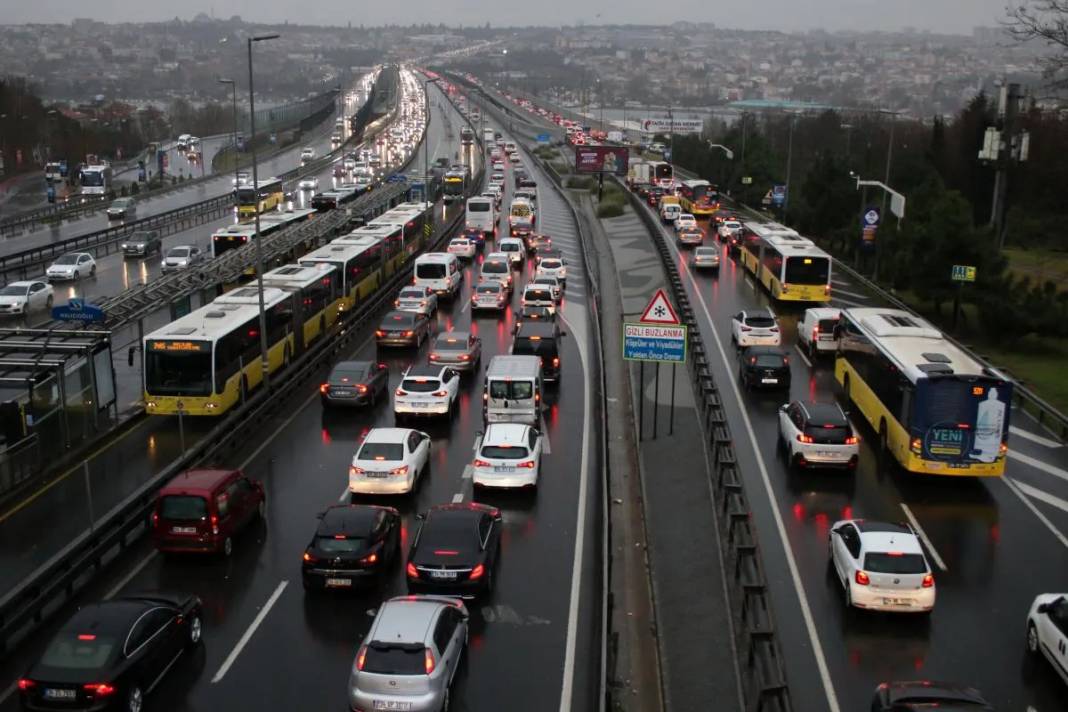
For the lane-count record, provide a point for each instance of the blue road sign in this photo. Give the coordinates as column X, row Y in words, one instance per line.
column 543, row 138
column 77, row 310
column 651, row 342
column 871, row 217
column 778, row 195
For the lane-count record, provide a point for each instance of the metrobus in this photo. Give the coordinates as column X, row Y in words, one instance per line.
column 662, row 174
column 317, row 289
column 789, row 266
column 390, row 239
column 699, row 198
column 267, row 194
column 232, row 236
column 96, row 179
column 412, row 218
column 454, row 186
column 359, row 268
column 934, row 408
column 209, row 360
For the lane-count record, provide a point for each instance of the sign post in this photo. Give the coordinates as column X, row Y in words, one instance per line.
column 657, row 337
column 960, row 274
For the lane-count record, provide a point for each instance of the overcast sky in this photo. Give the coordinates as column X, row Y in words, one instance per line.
column 957, row 16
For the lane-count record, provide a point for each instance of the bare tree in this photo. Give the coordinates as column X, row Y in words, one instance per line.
column 1043, row 21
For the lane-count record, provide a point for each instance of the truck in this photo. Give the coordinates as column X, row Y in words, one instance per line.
column 639, row 172
column 615, row 136
column 455, row 183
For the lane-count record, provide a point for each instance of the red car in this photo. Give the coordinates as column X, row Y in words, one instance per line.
column 203, row 510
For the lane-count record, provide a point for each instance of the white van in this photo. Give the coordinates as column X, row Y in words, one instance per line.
column 815, row 331
column 481, row 214
column 438, row 271
column 512, row 392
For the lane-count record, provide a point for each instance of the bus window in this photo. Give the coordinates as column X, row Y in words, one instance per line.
column 807, row 270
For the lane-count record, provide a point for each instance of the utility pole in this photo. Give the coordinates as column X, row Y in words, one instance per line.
column 1003, row 145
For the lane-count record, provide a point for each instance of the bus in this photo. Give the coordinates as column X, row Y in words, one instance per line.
column 789, row 266
column 96, row 179
column 232, row 236
column 317, row 288
column 391, row 244
column 413, row 218
column 268, row 194
column 209, row 360
column 454, row 186
column 359, row 267
column 699, row 198
column 934, row 408
column 662, row 174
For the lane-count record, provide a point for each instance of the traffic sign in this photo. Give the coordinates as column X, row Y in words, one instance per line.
column 543, row 138
column 963, row 273
column 778, row 195
column 747, row 180
column 659, row 310
column 650, row 342
column 871, row 217
column 77, row 310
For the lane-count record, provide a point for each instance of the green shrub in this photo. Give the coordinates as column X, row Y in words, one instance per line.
column 609, row 209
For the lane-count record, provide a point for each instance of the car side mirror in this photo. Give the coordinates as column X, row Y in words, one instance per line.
column 783, row 407
column 1043, row 608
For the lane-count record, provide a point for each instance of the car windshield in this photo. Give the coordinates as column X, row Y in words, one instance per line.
column 530, row 346
column 706, row 251
column 344, row 545
column 348, row 373
column 551, row 264
column 183, row 508
column 460, row 242
column 67, row 260
column 511, row 390
column 509, row 247
column 431, row 270
column 479, row 207
column 14, row 290
column 178, row 252
column 412, row 294
column 538, row 295
column 395, row 659
column 121, row 203
column 894, row 563
column 504, row 452
column 760, row 322
column 420, row 385
column 71, row 650
column 807, row 270
column 397, row 321
column 381, row 451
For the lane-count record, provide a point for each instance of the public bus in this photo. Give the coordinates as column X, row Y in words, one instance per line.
column 699, row 198
column 359, row 267
column 209, row 360
column 412, row 218
column 391, row 244
column 317, row 289
column 933, row 407
column 268, row 194
column 455, row 184
column 96, row 179
column 232, row 236
column 789, row 266
column 662, row 174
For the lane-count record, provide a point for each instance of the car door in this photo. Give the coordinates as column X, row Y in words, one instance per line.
column 38, row 296
column 151, row 645
column 786, row 423
column 1059, row 642
column 845, row 542
column 534, row 444
column 452, row 384
column 443, row 640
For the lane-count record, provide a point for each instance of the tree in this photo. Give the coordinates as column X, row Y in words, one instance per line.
column 1045, row 21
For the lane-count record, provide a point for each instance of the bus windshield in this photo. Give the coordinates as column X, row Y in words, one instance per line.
column 662, row 171
column 92, row 179
column 178, row 368
column 807, row 270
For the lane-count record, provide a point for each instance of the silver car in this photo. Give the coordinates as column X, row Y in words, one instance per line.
column 457, row 349
column 410, row 655
column 420, row 300
column 181, row 257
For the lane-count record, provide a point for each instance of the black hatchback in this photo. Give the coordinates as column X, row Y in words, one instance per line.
column 353, row 544
column 455, row 550
column 764, row 367
column 541, row 339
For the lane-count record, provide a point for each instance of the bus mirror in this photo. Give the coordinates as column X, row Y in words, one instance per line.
column 130, row 356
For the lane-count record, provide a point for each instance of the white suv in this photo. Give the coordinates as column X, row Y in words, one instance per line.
column 508, row 456
column 390, row 461
column 426, row 390
column 881, row 566
column 759, row 328
column 1047, row 630
column 817, row 435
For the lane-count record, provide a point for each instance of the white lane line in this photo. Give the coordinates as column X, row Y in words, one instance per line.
column 791, row 562
column 546, row 446
column 1027, row 435
column 458, row 497
column 1034, row 510
column 1041, row 496
column 345, row 495
column 129, row 576
column 469, row 472
column 248, row 633
column 923, row 537
column 802, row 355
column 1039, row 465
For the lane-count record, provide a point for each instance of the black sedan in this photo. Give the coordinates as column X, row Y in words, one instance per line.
column 400, row 328
column 455, row 550
column 353, row 544
column 764, row 367
column 355, row 383
column 111, row 654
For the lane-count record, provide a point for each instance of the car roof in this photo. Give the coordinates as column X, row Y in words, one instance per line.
column 505, row 434
column 351, row 366
column 348, row 519
column 537, row 328
column 928, row 691
column 112, row 617
column 894, row 537
column 425, row 370
column 406, row 619
column 24, row 283
column 746, row 313
column 386, row 435
column 824, row 312
column 823, row 413
column 200, row 482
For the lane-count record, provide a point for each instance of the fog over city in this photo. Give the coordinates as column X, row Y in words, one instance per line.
column 948, row 16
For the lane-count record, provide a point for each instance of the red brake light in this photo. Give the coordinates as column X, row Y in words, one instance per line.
column 802, row 438
column 399, row 392
column 379, row 333
column 325, row 388
column 214, row 524
column 556, row 361
column 465, row 357
column 851, row 440
column 440, row 394
column 928, row 581
column 480, row 463
column 434, row 357
column 409, row 333
column 361, row 388
column 428, row 661
column 862, row 578
column 529, row 464
column 86, row 636
column 476, row 573
column 361, row 657
column 446, row 552
column 100, row 689
column 308, row 557
column 402, row 470
column 411, row 570
column 25, row 684
column 369, row 559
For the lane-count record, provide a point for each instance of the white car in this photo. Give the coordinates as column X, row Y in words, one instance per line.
column 552, row 267
column 307, row 153
column 489, row 295
column 242, row 179
column 71, row 266
column 509, row 455
column 463, row 248
column 514, row 249
column 494, row 193
column 309, row 183
column 496, row 179
column 24, row 297
column 685, row 220
column 728, row 228
column 497, row 166
column 817, row 435
column 1047, row 630
column 497, row 268
column 420, row 300
column 759, row 328
column 181, row 257
column 815, row 331
column 426, row 390
column 548, row 280
column 705, row 258
column 881, row 566
column 514, row 158
column 389, row 461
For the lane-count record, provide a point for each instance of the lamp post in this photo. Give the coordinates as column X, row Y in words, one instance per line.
column 426, row 137
column 897, row 206
column 233, row 87
column 789, row 167
column 265, row 362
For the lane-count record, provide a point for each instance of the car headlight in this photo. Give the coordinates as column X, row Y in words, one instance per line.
column 124, row 245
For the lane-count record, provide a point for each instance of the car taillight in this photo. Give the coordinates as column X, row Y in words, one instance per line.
column 556, row 361
column 481, row 463
column 529, row 465
column 476, row 573
column 25, row 684
column 440, row 394
column 369, row 559
column 402, row 470
column 411, row 570
column 361, row 657
column 325, row 388
column 851, row 440
column 155, row 519
column 774, row 330
column 399, row 392
column 434, row 357
column 747, row 328
column 826, row 289
column 862, row 578
column 100, row 689
column 802, row 438
column 309, row 558
column 396, row 302
column 379, row 333
column 214, row 524
column 428, row 661
column 928, row 581
column 409, row 333
column 361, row 388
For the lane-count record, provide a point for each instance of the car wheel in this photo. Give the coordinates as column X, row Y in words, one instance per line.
column 1032, row 638
column 77, row 275
column 228, row 546
column 135, row 700
column 196, row 630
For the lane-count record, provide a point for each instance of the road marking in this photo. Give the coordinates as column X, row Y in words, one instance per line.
column 1039, row 465
column 345, row 495
column 248, row 633
column 791, row 562
column 923, row 537
column 1034, row 510
column 129, row 576
column 1027, row 435
column 546, row 446
column 1042, row 496
column 837, row 291
column 848, row 302
column 802, row 355
column 458, row 497
column 469, row 472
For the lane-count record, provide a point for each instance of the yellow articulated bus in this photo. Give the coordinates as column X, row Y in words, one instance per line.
column 317, row 289
column 388, row 241
column 359, row 267
column 265, row 196
column 789, row 266
column 203, row 362
column 933, row 407
column 412, row 218
column 699, row 198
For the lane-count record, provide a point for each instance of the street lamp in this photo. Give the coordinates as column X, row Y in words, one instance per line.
column 426, row 136
column 789, row 166
column 897, row 207
column 233, row 86
column 726, row 151
column 264, row 361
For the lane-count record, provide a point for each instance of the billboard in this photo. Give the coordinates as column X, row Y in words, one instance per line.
column 602, row 159
column 680, row 126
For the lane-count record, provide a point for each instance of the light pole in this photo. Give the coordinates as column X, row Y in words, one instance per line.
column 426, row 137
column 264, row 360
column 789, row 167
column 233, row 87
column 897, row 207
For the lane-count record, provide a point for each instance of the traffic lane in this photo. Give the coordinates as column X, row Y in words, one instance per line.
column 968, row 522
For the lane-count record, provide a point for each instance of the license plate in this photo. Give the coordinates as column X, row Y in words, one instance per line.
column 377, row 474
column 896, row 602
column 338, row 582
column 504, row 468
column 184, row 530
column 825, row 453
column 52, row 693
column 421, row 405
column 341, row 394
column 769, row 380
column 391, row 705
column 443, row 575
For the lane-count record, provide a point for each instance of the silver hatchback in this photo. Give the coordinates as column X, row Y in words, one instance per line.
column 410, row 655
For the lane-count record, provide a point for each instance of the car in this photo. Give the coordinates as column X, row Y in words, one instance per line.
column 455, row 550
column 728, row 228
column 490, row 295
column 817, row 435
column 355, row 383
column 409, row 657
column 922, row 695
column 459, row 350
column 353, row 544
column 496, row 178
column 421, row 300
column 307, row 153
column 653, row 194
column 1047, row 630
column 463, row 248
column 508, row 456
column 514, row 249
column 110, row 654
column 26, row 296
column 121, row 209
column 669, row 211
column 548, row 280
column 551, row 266
column 242, row 178
column 390, row 461
column 309, row 183
column 705, row 258
column 532, row 313
column 685, row 220
column 402, row 328
column 497, row 268
column 71, row 267
column 816, row 331
column 494, row 193
column 142, row 243
column 181, row 257
column 203, row 510
column 690, row 236
column 541, row 339
column 763, row 366
column 497, row 166
column 427, row 390
column 755, row 328
column 881, row 566
column 537, row 243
